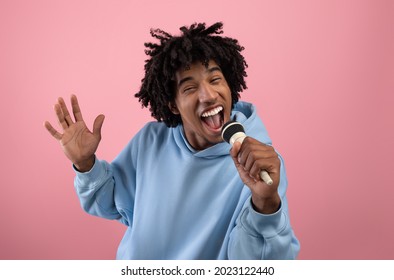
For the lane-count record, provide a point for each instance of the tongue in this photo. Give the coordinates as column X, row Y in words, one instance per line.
column 213, row 121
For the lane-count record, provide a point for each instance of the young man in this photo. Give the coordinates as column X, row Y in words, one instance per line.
column 179, row 189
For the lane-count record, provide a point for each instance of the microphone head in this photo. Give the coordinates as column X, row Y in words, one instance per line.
column 230, row 128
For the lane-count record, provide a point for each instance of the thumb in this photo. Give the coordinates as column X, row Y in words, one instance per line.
column 235, row 150
column 98, row 123
column 244, row 175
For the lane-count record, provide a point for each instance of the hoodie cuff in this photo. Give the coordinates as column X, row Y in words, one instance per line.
column 265, row 225
column 90, row 178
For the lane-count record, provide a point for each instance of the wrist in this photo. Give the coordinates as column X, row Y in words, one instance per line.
column 86, row 165
column 266, row 205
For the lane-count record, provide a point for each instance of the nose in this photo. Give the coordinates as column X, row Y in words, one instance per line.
column 207, row 94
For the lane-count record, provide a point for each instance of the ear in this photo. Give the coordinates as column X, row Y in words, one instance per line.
column 173, row 108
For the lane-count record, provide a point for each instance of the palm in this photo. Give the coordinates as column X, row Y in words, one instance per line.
column 78, row 142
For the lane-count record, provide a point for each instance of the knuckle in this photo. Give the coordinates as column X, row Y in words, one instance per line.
column 252, row 156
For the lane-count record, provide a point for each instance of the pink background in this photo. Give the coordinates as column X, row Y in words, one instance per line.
column 320, row 72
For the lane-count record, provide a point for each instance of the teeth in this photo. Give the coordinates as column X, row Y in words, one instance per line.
column 212, row 112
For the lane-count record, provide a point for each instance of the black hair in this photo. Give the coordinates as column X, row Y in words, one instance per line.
column 196, row 43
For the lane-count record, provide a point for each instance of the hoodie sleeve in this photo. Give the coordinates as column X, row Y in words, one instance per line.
column 97, row 192
column 259, row 236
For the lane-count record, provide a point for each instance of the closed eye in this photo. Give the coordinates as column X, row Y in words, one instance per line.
column 188, row 89
column 216, row 80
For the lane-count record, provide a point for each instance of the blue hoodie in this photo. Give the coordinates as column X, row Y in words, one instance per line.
column 179, row 203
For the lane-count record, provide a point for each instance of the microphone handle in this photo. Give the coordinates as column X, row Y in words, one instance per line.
column 239, row 137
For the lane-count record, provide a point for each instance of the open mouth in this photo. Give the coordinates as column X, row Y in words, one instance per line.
column 213, row 118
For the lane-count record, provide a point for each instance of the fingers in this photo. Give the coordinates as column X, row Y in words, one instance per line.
column 244, row 174
column 63, row 115
column 76, row 110
column 254, row 157
column 52, row 131
column 66, row 121
column 64, row 109
column 60, row 116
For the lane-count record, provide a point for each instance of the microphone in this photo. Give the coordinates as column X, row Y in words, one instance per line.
column 232, row 132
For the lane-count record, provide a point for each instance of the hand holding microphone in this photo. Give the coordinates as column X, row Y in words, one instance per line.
column 234, row 132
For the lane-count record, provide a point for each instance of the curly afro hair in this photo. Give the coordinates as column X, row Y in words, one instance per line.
column 196, row 43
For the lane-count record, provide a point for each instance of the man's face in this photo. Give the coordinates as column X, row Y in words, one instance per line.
column 203, row 100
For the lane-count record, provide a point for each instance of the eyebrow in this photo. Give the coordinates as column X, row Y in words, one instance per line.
column 210, row 70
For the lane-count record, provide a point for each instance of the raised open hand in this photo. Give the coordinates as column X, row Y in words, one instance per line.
column 77, row 141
